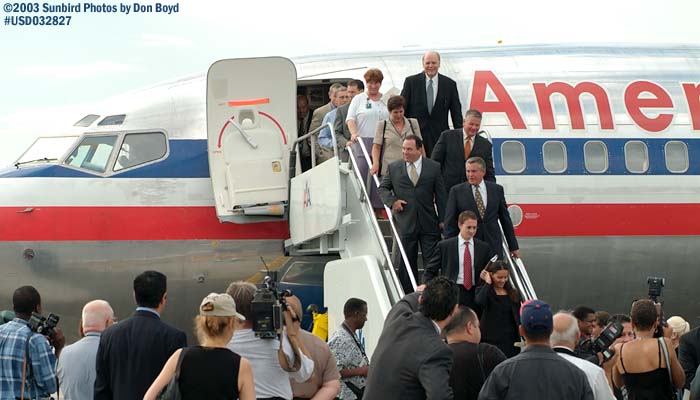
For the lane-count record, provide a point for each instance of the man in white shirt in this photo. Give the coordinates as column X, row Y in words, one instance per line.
column 564, row 338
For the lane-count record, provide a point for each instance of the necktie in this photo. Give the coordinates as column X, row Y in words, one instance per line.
column 413, row 174
column 467, row 148
column 430, row 95
column 479, row 201
column 467, row 267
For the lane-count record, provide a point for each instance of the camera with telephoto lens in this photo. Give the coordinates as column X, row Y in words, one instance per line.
column 607, row 337
column 44, row 325
column 656, row 285
column 268, row 307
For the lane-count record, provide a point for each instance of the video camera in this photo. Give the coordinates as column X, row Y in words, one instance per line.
column 44, row 325
column 267, row 308
column 656, row 285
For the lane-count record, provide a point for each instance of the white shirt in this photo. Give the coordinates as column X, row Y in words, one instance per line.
column 460, row 274
column 435, row 85
column 270, row 379
column 482, row 190
column 419, row 166
column 366, row 113
column 594, row 374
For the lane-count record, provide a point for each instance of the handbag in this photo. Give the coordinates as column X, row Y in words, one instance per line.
column 172, row 390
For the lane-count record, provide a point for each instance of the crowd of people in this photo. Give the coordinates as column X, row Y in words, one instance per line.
column 431, row 347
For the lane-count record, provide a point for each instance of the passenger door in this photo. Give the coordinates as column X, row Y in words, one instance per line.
column 251, row 124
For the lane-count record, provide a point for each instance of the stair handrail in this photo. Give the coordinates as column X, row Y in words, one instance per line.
column 517, row 269
column 390, row 215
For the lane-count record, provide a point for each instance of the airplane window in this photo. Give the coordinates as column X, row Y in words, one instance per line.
column 636, row 156
column 513, row 156
column 87, row 120
column 112, row 120
column 676, row 154
column 595, row 155
column 554, row 156
column 92, row 153
column 140, row 148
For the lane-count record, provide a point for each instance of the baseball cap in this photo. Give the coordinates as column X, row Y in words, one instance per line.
column 219, row 305
column 536, row 316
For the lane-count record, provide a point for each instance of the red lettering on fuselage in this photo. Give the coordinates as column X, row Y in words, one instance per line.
column 692, row 95
column 634, row 105
column 544, row 92
column 504, row 103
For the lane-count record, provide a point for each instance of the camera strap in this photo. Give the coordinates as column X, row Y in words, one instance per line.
column 357, row 342
column 25, row 367
column 662, row 344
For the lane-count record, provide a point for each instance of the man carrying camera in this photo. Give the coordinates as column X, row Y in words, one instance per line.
column 274, row 360
column 27, row 363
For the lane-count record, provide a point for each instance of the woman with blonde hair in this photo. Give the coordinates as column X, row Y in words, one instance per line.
column 210, row 370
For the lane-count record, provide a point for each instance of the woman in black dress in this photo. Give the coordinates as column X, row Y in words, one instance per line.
column 210, row 370
column 500, row 302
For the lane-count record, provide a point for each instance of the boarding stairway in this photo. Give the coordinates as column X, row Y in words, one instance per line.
column 330, row 212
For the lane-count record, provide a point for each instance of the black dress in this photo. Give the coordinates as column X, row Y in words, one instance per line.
column 499, row 320
column 209, row 373
column 650, row 385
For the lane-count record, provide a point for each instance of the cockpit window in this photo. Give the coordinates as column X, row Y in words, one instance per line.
column 86, row 120
column 140, row 148
column 47, row 149
column 112, row 120
column 93, row 153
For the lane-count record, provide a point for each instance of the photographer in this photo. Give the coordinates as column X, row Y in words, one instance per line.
column 27, row 364
column 273, row 361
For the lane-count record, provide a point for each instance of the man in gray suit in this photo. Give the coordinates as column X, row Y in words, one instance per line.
column 409, row 187
column 411, row 361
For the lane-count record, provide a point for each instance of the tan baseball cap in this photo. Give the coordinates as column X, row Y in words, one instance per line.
column 219, row 305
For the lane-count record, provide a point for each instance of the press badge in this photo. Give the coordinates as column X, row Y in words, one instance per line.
column 368, row 105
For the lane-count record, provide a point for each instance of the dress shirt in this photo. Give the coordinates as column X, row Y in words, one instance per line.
column 419, row 166
column 76, row 368
column 482, row 190
column 594, row 374
column 151, row 310
column 435, row 85
column 325, row 139
column 460, row 275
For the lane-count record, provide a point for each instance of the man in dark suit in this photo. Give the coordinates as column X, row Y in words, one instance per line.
column 461, row 259
column 429, row 96
column 689, row 354
column 457, row 145
column 409, row 187
column 132, row 353
column 487, row 201
column 411, row 361
column 303, row 123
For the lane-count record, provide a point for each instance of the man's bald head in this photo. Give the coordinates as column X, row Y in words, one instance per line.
column 565, row 332
column 97, row 315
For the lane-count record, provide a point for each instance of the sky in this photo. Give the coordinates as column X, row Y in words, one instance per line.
column 49, row 76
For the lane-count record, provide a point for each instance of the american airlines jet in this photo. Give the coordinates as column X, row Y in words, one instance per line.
column 597, row 148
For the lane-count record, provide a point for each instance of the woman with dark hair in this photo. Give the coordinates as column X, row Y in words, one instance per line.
column 210, row 370
column 642, row 370
column 500, row 303
column 389, row 136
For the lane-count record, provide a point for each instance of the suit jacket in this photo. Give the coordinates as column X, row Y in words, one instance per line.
column 433, row 123
column 132, row 353
column 418, row 215
column 319, row 113
column 445, row 260
column 340, row 126
column 461, row 198
column 449, row 152
column 689, row 354
column 410, row 361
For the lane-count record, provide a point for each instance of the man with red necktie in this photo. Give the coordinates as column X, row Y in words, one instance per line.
column 461, row 259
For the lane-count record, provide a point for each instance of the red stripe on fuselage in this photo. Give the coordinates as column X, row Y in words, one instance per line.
column 609, row 219
column 128, row 223
column 190, row 223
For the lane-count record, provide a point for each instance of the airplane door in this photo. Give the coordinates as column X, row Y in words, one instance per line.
column 251, row 124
